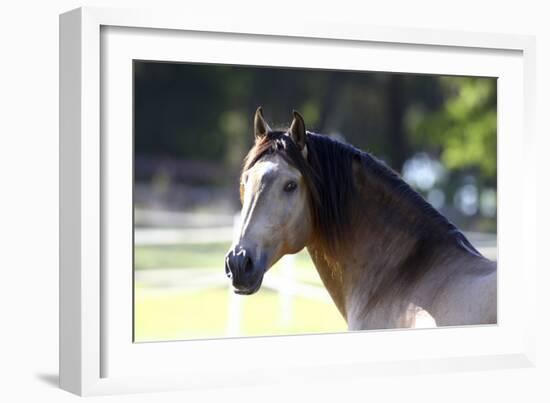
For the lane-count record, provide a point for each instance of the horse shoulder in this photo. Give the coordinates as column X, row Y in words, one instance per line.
column 468, row 296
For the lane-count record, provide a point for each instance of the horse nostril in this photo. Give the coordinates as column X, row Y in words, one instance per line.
column 239, row 266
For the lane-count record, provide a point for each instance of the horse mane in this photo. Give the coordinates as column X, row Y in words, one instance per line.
column 329, row 176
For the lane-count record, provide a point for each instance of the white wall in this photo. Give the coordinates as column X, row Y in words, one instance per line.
column 29, row 186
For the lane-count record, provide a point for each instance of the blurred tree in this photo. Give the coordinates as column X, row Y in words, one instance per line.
column 396, row 110
column 464, row 127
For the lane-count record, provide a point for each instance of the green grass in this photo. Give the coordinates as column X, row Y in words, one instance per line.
column 173, row 316
column 180, row 256
column 204, row 314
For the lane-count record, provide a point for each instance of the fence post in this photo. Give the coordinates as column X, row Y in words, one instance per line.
column 287, row 289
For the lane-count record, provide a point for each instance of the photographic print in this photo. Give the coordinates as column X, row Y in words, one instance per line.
column 282, row 201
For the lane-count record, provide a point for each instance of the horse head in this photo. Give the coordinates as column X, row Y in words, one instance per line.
column 275, row 218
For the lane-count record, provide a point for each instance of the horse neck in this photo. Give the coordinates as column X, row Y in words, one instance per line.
column 392, row 243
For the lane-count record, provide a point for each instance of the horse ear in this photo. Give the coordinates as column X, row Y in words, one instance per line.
column 297, row 130
column 261, row 128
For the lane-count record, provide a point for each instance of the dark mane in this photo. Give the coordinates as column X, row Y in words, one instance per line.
column 329, row 176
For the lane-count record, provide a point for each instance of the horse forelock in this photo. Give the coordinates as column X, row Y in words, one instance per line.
column 278, row 142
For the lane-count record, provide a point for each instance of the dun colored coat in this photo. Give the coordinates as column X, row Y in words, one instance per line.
column 385, row 255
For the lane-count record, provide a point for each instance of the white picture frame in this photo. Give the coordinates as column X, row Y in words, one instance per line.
column 96, row 354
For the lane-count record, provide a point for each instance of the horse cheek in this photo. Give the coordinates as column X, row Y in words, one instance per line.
column 298, row 228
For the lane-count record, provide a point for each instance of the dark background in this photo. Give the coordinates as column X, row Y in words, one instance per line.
column 193, row 126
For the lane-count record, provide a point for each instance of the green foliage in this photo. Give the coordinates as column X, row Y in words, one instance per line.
column 464, row 127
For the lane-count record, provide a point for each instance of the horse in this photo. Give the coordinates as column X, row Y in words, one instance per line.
column 386, row 256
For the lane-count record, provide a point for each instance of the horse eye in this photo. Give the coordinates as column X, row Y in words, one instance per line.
column 290, row 186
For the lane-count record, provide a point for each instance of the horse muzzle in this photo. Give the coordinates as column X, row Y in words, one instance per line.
column 246, row 274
